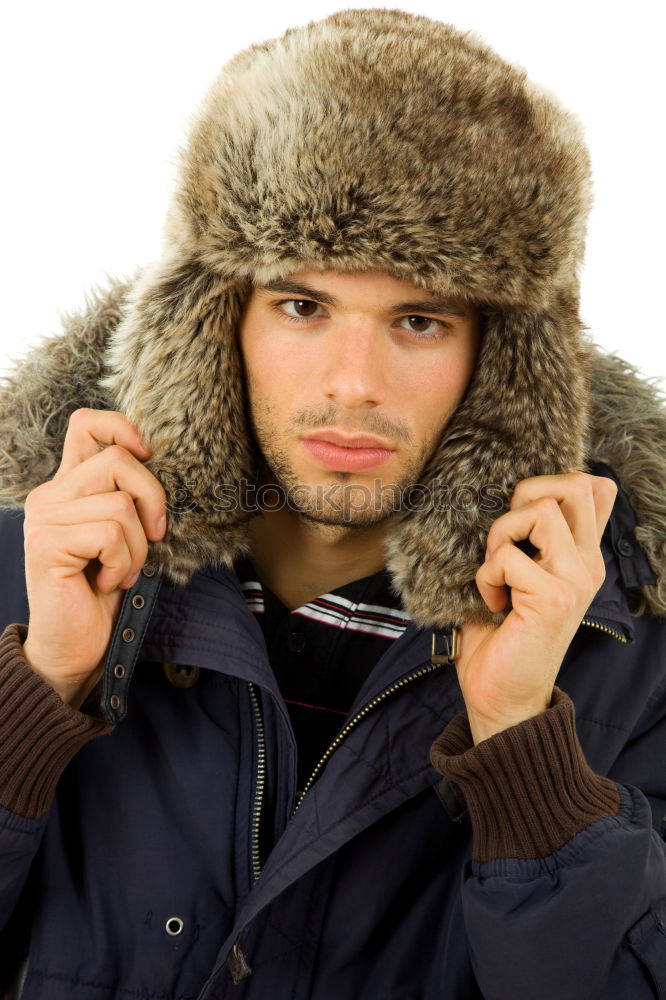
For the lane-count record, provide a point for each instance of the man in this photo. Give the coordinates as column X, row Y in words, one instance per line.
column 400, row 545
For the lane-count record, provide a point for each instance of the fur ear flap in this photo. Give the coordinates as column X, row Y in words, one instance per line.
column 56, row 376
column 174, row 370
column 514, row 422
column 628, row 433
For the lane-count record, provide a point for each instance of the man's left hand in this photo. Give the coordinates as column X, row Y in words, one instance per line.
column 507, row 672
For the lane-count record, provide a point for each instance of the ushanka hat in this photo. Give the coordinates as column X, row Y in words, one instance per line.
column 374, row 139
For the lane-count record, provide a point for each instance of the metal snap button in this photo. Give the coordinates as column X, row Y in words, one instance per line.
column 149, row 571
column 174, row 926
column 296, row 642
column 128, row 634
column 119, row 670
column 181, row 675
column 624, row 547
column 138, row 601
column 115, row 701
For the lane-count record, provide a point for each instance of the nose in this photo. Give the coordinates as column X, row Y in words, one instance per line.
column 354, row 372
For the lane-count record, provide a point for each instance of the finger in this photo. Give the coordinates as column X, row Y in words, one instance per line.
column 605, row 492
column 91, row 430
column 543, row 523
column 109, row 470
column 68, row 549
column 586, row 502
column 573, row 492
column 116, row 506
column 532, row 587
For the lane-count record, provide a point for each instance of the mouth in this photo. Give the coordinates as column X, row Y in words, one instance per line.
column 347, row 452
column 349, row 440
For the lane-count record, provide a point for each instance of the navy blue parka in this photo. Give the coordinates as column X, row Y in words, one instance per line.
column 145, row 878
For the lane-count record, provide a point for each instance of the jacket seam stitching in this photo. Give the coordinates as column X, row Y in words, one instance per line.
column 140, row 994
column 604, row 725
column 346, row 816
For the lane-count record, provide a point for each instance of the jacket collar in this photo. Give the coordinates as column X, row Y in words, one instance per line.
column 217, row 631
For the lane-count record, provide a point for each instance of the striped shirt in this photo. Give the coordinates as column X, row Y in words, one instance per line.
column 322, row 652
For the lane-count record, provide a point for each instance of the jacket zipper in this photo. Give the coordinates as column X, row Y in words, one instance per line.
column 259, row 787
column 261, row 743
column 394, row 687
column 360, row 715
column 605, row 628
column 261, row 763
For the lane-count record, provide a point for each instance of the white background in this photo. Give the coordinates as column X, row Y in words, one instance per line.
column 96, row 97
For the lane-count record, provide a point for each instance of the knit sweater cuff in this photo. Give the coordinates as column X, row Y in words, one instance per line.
column 529, row 788
column 39, row 733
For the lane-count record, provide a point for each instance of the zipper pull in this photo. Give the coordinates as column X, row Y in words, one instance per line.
column 237, row 962
column 447, row 654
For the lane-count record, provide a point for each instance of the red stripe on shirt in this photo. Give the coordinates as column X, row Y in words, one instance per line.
column 318, row 708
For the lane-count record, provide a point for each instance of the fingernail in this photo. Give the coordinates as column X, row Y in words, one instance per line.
column 161, row 526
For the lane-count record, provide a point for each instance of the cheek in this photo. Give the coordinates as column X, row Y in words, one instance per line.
column 271, row 363
column 439, row 388
column 436, row 394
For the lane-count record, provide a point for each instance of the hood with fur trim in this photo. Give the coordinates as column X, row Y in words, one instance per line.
column 372, row 140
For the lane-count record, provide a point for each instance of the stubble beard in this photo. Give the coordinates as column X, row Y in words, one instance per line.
column 342, row 502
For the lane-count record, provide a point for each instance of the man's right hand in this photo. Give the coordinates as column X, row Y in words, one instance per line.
column 86, row 539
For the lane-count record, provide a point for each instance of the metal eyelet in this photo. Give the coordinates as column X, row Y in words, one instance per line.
column 128, row 634
column 119, row 671
column 149, row 571
column 174, row 926
column 115, row 701
column 138, row 601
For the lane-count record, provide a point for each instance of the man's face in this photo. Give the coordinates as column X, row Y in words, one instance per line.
column 351, row 379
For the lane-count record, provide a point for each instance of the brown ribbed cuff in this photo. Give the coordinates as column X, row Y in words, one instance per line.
column 39, row 733
column 529, row 788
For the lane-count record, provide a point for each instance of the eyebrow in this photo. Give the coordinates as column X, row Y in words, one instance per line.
column 435, row 304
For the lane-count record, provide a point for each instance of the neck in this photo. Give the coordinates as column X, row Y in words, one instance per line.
column 299, row 560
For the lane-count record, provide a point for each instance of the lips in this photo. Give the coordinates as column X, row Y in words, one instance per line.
column 349, row 440
column 347, row 452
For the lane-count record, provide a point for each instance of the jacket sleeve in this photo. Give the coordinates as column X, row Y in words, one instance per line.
column 565, row 896
column 39, row 735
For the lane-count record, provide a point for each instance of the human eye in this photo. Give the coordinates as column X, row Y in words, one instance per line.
column 298, row 309
column 425, row 327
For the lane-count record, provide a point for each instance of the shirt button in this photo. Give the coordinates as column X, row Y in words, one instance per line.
column 624, row 547
column 296, row 642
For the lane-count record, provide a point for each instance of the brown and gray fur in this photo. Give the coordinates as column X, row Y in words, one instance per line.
column 374, row 139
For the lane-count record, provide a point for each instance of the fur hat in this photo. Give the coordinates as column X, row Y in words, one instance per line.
column 374, row 139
